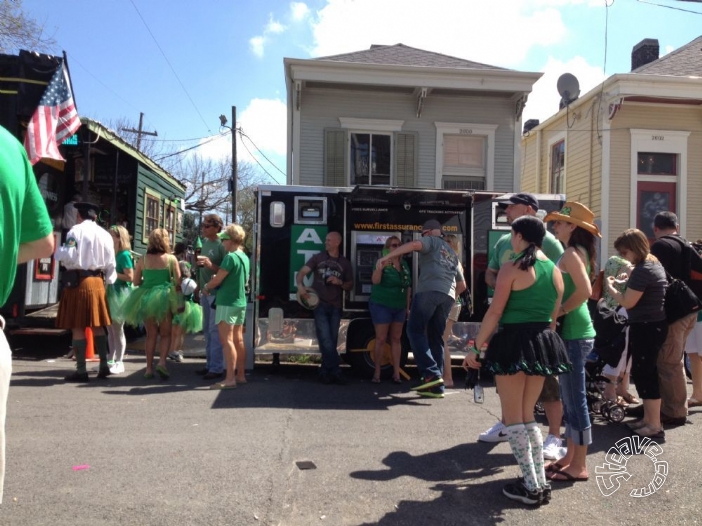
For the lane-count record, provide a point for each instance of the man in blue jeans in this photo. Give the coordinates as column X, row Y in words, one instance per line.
column 208, row 262
column 440, row 280
column 332, row 275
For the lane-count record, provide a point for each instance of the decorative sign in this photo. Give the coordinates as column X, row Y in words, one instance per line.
column 305, row 242
column 71, row 141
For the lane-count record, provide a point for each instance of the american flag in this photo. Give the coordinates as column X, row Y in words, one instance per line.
column 54, row 120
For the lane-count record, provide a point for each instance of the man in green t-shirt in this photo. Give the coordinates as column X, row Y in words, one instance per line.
column 26, row 234
column 516, row 206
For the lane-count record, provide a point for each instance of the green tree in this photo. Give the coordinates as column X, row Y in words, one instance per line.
column 19, row 31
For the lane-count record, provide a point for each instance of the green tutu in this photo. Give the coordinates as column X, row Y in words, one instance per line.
column 153, row 302
column 191, row 319
column 116, row 297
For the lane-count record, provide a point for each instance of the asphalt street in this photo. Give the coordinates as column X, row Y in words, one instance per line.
column 147, row 452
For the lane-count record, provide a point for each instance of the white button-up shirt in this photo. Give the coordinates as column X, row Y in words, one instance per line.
column 88, row 246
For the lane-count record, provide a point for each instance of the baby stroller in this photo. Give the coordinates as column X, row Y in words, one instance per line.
column 610, row 343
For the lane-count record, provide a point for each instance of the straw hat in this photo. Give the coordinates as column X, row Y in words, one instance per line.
column 577, row 214
column 311, row 302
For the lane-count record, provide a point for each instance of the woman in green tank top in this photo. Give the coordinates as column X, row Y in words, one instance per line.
column 524, row 350
column 574, row 227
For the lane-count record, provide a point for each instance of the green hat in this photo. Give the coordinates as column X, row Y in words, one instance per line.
column 198, row 243
column 223, row 235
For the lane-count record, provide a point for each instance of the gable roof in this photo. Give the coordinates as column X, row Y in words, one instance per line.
column 402, row 55
column 686, row 61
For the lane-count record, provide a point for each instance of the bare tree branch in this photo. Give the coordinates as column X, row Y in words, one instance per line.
column 19, row 31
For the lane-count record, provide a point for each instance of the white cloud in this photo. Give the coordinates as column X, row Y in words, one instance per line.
column 499, row 33
column 667, row 50
column 257, row 45
column 544, row 99
column 264, row 123
column 299, row 11
column 274, row 27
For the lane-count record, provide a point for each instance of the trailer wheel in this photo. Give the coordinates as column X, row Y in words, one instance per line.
column 360, row 350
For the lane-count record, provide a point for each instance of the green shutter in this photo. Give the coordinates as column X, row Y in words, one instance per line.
column 406, row 160
column 334, row 157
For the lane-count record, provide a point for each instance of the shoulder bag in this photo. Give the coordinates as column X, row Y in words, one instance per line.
column 680, row 301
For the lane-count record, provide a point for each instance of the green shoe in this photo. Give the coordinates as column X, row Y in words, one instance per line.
column 148, row 376
column 163, row 372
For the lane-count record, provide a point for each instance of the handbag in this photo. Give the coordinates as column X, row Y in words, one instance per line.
column 597, row 286
column 680, row 300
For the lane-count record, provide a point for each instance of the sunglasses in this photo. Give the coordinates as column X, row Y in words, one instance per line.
column 207, row 225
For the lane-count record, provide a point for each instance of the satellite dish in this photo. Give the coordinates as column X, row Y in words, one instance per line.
column 568, row 87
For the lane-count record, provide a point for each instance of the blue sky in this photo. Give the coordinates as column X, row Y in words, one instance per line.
column 220, row 53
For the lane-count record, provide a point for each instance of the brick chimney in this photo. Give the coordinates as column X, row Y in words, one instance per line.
column 644, row 52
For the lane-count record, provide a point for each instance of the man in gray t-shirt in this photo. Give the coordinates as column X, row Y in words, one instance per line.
column 440, row 279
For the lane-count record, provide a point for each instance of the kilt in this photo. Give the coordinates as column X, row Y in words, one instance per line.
column 84, row 306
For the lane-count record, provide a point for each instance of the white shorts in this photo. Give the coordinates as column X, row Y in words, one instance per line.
column 693, row 345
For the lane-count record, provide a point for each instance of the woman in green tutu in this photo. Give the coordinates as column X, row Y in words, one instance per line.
column 190, row 320
column 154, row 302
column 117, row 294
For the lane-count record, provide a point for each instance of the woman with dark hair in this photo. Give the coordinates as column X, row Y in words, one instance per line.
column 643, row 300
column 574, row 227
column 388, row 306
column 524, row 350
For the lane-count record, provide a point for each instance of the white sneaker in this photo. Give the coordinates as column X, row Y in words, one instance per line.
column 496, row 433
column 117, row 368
column 552, row 448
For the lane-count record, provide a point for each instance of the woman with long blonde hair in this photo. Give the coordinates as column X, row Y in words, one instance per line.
column 117, row 294
column 153, row 303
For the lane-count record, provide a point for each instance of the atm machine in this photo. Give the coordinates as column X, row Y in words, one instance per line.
column 366, row 249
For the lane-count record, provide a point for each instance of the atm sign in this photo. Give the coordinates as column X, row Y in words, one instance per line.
column 306, row 241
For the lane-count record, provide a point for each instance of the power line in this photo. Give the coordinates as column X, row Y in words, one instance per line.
column 213, row 138
column 257, row 161
column 170, row 66
column 671, row 7
column 241, row 132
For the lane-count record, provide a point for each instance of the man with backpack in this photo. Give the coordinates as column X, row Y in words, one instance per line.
column 678, row 258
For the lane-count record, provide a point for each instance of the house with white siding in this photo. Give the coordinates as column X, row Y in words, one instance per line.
column 630, row 147
column 404, row 117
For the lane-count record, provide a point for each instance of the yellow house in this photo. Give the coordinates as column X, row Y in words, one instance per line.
column 629, row 148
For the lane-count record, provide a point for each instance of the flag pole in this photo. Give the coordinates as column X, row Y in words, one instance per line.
column 70, row 79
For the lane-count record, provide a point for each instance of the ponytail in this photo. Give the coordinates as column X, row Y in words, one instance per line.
column 527, row 258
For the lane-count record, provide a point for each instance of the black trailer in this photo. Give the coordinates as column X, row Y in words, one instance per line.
column 292, row 222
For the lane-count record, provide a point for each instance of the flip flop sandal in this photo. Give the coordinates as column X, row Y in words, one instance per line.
column 630, row 398
column 163, row 372
column 148, row 376
column 218, row 387
column 564, row 476
column 553, row 467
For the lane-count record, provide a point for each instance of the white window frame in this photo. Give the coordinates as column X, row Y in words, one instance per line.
column 373, row 127
column 660, row 141
column 461, row 128
column 553, row 140
column 149, row 193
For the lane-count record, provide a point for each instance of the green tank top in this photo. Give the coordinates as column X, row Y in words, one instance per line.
column 536, row 303
column 577, row 324
column 154, row 277
column 391, row 292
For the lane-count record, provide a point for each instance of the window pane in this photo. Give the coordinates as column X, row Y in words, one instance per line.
column 381, row 159
column 360, row 148
column 657, row 163
column 557, row 167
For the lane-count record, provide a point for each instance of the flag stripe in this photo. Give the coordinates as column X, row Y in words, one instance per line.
column 54, row 120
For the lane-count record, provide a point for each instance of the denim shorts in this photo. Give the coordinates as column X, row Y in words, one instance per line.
column 380, row 314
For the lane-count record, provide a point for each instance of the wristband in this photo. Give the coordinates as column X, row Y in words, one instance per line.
column 473, row 348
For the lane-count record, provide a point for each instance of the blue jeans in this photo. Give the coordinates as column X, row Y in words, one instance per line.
column 326, row 324
column 213, row 347
column 425, row 330
column 575, row 413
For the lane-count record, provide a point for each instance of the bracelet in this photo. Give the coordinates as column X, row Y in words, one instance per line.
column 473, row 348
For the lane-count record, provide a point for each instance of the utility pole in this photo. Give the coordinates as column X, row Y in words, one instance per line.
column 235, row 174
column 140, row 132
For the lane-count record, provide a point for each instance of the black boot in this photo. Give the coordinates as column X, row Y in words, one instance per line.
column 104, row 373
column 77, row 378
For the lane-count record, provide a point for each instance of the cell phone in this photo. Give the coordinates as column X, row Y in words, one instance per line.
column 478, row 394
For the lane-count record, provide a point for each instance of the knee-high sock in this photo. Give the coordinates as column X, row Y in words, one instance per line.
column 536, row 440
column 79, row 351
column 521, row 448
column 101, row 348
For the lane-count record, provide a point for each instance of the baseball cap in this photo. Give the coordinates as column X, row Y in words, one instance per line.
column 431, row 224
column 223, row 235
column 522, row 198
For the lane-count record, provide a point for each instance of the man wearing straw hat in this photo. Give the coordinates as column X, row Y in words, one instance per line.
column 26, row 234
column 89, row 257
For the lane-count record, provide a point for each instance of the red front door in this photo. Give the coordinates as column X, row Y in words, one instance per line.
column 652, row 198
